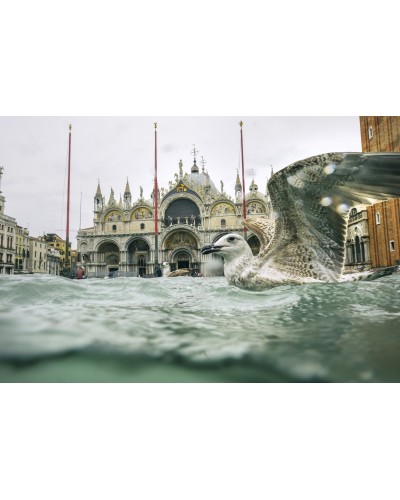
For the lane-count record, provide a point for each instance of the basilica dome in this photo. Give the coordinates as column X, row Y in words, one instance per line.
column 201, row 181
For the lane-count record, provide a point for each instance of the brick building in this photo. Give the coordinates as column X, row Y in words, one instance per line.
column 382, row 134
column 384, row 232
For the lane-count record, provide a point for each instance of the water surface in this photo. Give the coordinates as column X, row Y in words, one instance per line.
column 197, row 330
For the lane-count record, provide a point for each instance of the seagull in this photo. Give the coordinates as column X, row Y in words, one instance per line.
column 304, row 242
column 173, row 274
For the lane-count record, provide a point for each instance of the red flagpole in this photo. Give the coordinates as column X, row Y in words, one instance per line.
column 68, row 201
column 155, row 198
column 243, row 186
column 155, row 180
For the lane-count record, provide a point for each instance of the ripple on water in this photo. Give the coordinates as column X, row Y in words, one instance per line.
column 339, row 332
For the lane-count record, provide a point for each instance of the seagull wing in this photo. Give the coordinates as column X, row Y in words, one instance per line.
column 311, row 199
column 264, row 229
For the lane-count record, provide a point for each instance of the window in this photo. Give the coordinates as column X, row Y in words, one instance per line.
column 114, row 228
column 370, row 132
column 223, row 223
column 141, row 226
column 391, row 245
column 378, row 217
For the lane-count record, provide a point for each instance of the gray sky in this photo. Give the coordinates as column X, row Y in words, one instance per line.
column 33, row 151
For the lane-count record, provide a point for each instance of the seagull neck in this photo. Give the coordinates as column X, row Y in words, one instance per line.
column 235, row 265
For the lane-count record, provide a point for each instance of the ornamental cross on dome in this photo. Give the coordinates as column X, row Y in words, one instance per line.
column 203, row 162
column 194, row 151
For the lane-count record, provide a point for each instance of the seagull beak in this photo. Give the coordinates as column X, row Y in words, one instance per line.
column 210, row 249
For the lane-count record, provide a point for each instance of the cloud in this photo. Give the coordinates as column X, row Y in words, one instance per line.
column 34, row 153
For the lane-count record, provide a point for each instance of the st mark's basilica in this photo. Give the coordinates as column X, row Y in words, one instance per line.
column 192, row 213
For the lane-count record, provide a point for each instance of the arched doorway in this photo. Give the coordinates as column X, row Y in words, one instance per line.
column 180, row 249
column 108, row 255
column 138, row 257
column 182, row 260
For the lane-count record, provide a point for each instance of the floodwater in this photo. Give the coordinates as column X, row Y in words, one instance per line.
column 197, row 330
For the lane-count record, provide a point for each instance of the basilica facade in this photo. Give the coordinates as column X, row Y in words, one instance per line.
column 192, row 213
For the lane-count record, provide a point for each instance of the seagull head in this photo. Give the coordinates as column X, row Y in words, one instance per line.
column 229, row 247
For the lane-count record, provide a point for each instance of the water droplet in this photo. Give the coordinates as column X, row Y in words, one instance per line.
column 326, row 201
column 329, row 169
column 343, row 208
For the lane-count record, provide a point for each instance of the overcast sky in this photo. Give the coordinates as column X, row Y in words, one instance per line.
column 34, row 151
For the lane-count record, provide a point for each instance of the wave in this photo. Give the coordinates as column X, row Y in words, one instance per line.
column 318, row 332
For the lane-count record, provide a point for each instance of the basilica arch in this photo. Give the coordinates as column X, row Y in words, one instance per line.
column 255, row 207
column 138, row 256
column 85, row 253
column 182, row 210
column 180, row 249
column 108, row 257
column 113, row 215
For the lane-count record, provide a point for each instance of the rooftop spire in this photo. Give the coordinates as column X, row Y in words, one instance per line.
column 127, row 188
column 268, row 179
column 253, row 186
column 98, row 192
column 195, row 168
column 238, row 184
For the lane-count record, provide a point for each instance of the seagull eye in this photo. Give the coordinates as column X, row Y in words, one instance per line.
column 231, row 238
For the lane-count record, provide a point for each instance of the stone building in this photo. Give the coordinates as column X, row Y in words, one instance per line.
column 21, row 250
column 192, row 212
column 20, row 253
column 357, row 241
column 53, row 261
column 382, row 134
column 38, row 255
column 8, row 227
column 56, row 242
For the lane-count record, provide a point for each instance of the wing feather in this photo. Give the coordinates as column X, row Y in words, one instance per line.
column 311, row 200
column 264, row 229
